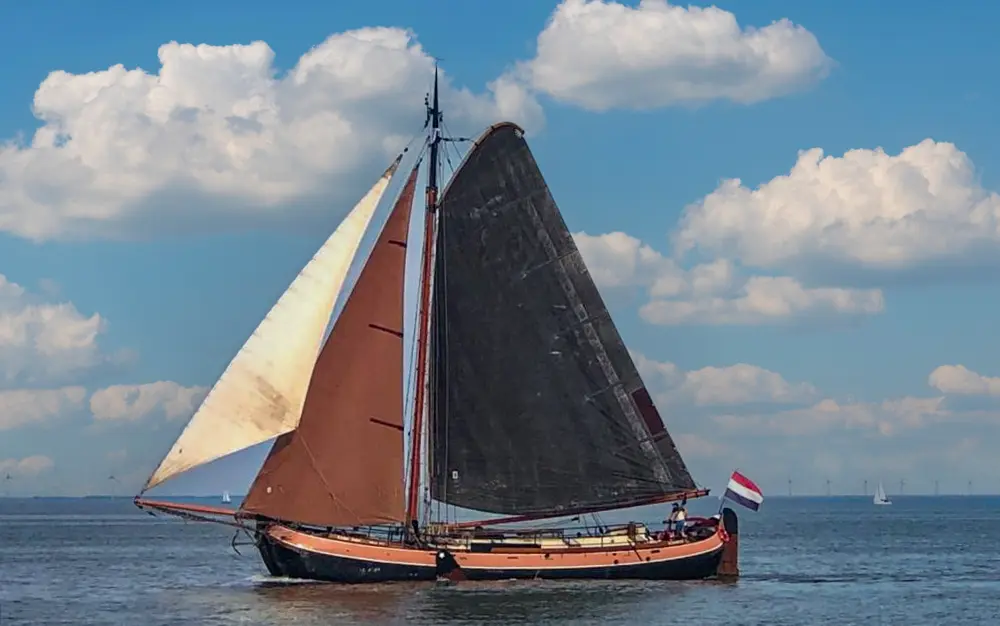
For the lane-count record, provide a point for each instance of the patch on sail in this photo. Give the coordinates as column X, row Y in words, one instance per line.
column 261, row 393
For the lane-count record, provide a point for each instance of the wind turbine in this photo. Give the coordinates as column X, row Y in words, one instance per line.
column 828, row 486
column 866, row 487
column 789, row 487
column 902, row 484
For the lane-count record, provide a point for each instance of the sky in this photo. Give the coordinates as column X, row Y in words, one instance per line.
column 790, row 208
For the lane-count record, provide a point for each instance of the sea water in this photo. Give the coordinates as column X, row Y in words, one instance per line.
column 922, row 560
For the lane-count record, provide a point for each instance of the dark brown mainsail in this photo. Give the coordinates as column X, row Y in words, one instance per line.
column 343, row 464
column 537, row 407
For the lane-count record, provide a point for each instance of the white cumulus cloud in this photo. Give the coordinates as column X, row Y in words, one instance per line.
column 762, row 300
column 713, row 292
column 23, row 407
column 883, row 418
column 28, row 466
column 693, row 446
column 42, row 341
column 866, row 208
column 717, row 386
column 959, row 380
column 217, row 132
column 601, row 55
column 135, row 402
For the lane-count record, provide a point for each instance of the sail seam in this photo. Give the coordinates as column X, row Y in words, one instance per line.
column 385, row 329
column 375, row 420
column 557, row 259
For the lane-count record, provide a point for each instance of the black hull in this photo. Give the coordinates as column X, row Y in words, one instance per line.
column 691, row 568
column 290, row 562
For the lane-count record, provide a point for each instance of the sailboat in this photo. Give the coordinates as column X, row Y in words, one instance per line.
column 880, row 497
column 528, row 412
column 226, row 499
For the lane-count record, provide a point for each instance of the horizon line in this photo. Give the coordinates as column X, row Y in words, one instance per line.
column 775, row 496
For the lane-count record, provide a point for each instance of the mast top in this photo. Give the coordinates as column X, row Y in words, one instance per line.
column 434, row 120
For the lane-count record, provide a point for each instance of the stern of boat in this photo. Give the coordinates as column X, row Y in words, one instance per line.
column 729, row 531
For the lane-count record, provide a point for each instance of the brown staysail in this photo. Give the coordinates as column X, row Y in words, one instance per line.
column 537, row 407
column 343, row 465
column 261, row 392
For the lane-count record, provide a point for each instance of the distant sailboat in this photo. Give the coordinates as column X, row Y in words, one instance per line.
column 880, row 497
column 225, row 497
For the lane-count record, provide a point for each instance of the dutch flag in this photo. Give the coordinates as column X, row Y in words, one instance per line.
column 743, row 491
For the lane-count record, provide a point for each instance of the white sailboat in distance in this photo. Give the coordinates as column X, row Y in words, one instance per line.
column 880, row 497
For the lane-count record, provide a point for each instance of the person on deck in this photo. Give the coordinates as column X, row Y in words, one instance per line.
column 680, row 518
column 671, row 522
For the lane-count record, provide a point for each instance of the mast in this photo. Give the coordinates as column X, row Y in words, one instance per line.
column 423, row 330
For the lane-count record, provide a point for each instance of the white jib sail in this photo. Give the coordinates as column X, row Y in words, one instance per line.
column 261, row 393
column 880, row 494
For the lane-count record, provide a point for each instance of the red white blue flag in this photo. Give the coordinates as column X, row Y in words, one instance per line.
column 743, row 491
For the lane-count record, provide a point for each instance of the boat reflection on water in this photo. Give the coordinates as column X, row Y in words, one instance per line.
column 487, row 602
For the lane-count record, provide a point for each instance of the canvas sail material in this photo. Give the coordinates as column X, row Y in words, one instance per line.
column 261, row 392
column 537, row 407
column 342, row 465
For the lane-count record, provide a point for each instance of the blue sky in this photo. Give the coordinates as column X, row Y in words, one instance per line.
column 791, row 324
